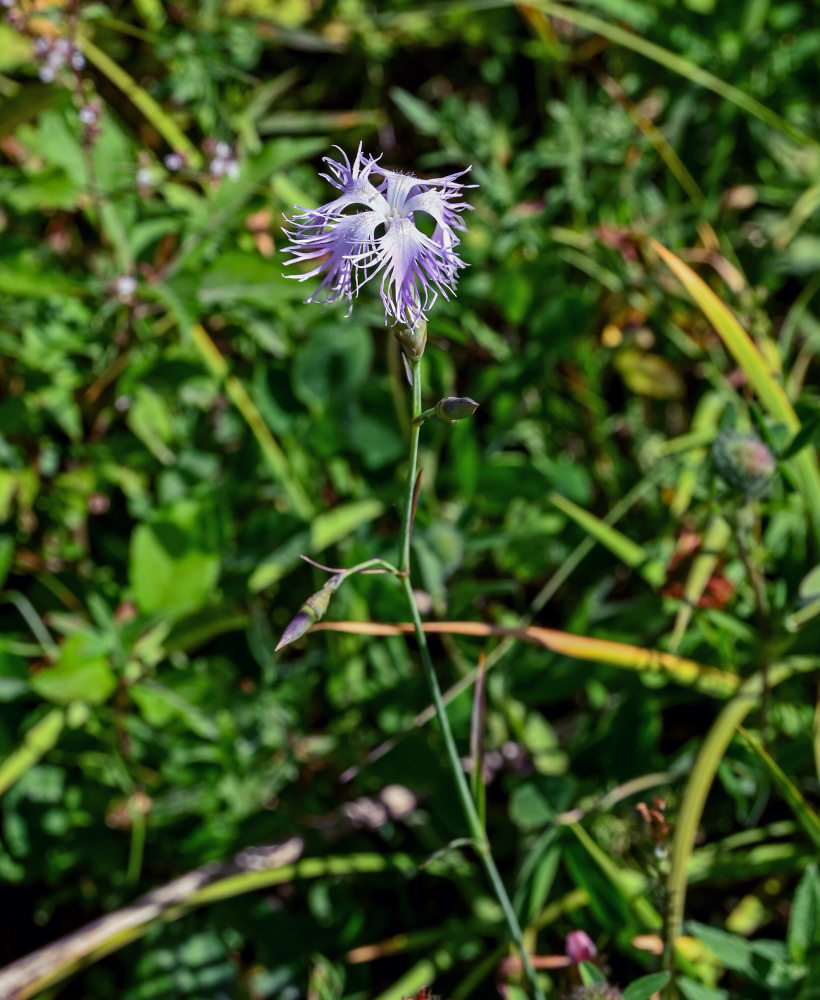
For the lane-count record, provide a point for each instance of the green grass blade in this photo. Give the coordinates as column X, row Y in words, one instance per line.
column 757, row 370
column 802, row 210
column 142, row 100
column 715, row 539
column 703, row 774
column 803, row 812
column 739, row 344
column 629, row 552
column 632, row 886
column 42, row 736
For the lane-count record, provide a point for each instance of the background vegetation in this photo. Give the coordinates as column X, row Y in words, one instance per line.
column 176, row 427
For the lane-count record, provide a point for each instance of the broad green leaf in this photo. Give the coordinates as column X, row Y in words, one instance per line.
column 649, row 375
column 691, row 989
column 732, row 951
column 169, row 576
column 647, row 986
column 81, row 673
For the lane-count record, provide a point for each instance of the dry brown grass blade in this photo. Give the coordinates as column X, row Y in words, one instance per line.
column 709, row 680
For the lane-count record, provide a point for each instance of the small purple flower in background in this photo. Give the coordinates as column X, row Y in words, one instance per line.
column 90, row 115
column 223, row 162
column 124, row 287
column 173, row 161
column 382, row 237
column 55, row 53
column 145, row 179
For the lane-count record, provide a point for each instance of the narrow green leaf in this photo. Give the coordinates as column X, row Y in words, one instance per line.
column 590, row 974
column 804, row 923
column 703, row 774
column 803, row 812
column 629, row 552
column 808, row 434
column 37, row 741
column 715, row 539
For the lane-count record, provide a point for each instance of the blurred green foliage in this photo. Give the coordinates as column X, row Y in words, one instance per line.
column 176, row 428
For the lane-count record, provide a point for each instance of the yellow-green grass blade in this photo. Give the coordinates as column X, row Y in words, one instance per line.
column 757, row 370
column 715, row 540
column 142, row 100
column 38, row 740
column 739, row 344
column 655, row 137
column 629, row 552
column 803, row 812
column 704, row 421
column 703, row 774
column 708, row 680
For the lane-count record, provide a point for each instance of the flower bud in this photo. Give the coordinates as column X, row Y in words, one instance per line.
column 744, row 462
column 455, row 408
column 580, row 947
column 412, row 340
column 312, row 611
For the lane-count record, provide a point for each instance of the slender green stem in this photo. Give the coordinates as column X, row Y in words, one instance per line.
column 425, row 415
column 415, row 432
column 477, row 832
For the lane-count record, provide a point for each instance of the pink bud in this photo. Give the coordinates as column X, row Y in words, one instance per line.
column 580, row 947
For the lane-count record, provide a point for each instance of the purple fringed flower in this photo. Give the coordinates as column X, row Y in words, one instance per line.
column 381, row 237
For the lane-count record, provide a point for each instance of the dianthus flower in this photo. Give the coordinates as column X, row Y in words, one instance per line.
column 381, row 237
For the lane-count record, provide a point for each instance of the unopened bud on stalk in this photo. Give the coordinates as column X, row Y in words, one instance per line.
column 455, row 408
column 412, row 340
column 312, row 611
column 744, row 462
